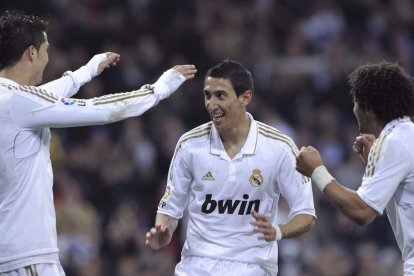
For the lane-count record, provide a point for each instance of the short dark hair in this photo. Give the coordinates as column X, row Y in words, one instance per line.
column 239, row 76
column 385, row 88
column 17, row 32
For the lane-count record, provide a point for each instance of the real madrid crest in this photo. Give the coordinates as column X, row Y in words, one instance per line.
column 256, row 179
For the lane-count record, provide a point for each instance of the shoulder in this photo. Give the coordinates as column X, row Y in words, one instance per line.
column 196, row 136
column 31, row 92
column 275, row 137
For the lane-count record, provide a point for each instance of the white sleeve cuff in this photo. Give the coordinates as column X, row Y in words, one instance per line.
column 84, row 74
column 168, row 83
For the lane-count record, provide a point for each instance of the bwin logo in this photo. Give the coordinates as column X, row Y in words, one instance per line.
column 229, row 206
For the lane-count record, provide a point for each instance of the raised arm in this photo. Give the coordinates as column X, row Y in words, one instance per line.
column 33, row 107
column 309, row 163
column 69, row 84
column 160, row 235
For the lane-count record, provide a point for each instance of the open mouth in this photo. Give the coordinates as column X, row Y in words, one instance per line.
column 217, row 116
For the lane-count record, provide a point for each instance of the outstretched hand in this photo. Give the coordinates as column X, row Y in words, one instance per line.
column 171, row 79
column 188, row 70
column 111, row 59
column 362, row 146
column 264, row 226
column 158, row 236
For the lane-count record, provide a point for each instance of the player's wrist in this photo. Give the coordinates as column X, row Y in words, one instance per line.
column 85, row 74
column 321, row 177
column 279, row 234
column 168, row 83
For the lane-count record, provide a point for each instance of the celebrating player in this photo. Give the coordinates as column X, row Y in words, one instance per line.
column 28, row 240
column 230, row 174
column 383, row 96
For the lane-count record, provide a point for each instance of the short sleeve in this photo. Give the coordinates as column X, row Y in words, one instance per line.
column 382, row 178
column 177, row 192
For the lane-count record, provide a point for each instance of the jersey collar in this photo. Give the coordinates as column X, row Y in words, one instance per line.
column 249, row 147
column 7, row 81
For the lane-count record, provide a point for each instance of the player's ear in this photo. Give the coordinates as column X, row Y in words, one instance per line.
column 246, row 97
column 30, row 52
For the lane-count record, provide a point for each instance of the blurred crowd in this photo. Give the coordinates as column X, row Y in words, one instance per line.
column 109, row 179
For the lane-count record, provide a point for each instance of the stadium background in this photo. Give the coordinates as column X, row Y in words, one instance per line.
column 108, row 179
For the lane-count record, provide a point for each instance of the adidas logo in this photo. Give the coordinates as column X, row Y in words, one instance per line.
column 208, row 176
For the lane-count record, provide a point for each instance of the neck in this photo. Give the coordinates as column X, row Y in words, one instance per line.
column 234, row 138
column 379, row 126
column 17, row 73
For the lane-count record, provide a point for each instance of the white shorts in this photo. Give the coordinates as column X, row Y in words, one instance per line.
column 200, row 266
column 37, row 270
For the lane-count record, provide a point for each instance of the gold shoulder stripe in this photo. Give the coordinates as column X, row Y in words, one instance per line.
column 41, row 93
column 204, row 127
column 124, row 97
column 369, row 170
column 270, row 128
column 376, row 150
column 280, row 137
column 187, row 137
column 195, row 135
column 143, row 90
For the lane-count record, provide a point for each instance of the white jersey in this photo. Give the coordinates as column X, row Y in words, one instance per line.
column 27, row 215
column 388, row 182
column 220, row 192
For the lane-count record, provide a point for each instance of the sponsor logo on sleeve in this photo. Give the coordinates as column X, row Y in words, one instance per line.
column 72, row 102
column 164, row 199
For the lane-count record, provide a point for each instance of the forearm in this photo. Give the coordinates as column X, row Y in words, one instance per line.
column 64, row 86
column 300, row 224
column 349, row 203
column 69, row 84
column 63, row 112
column 166, row 221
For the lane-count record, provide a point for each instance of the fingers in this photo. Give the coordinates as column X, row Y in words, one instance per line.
column 154, row 235
column 188, row 70
column 263, row 226
column 363, row 141
column 112, row 59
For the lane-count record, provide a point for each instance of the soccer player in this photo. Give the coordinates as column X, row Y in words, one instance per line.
column 383, row 96
column 230, row 173
column 28, row 240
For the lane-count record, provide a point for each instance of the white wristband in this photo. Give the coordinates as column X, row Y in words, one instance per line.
column 321, row 177
column 278, row 232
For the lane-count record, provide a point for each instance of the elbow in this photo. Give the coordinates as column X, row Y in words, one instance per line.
column 311, row 223
column 364, row 217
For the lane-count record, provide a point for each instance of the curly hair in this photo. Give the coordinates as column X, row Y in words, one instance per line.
column 239, row 76
column 385, row 88
column 17, row 32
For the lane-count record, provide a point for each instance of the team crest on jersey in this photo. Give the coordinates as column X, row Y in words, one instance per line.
column 72, row 102
column 256, row 179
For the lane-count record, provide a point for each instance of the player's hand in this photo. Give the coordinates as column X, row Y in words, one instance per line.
column 110, row 60
column 158, row 236
column 362, row 146
column 188, row 70
column 308, row 160
column 263, row 226
column 171, row 79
